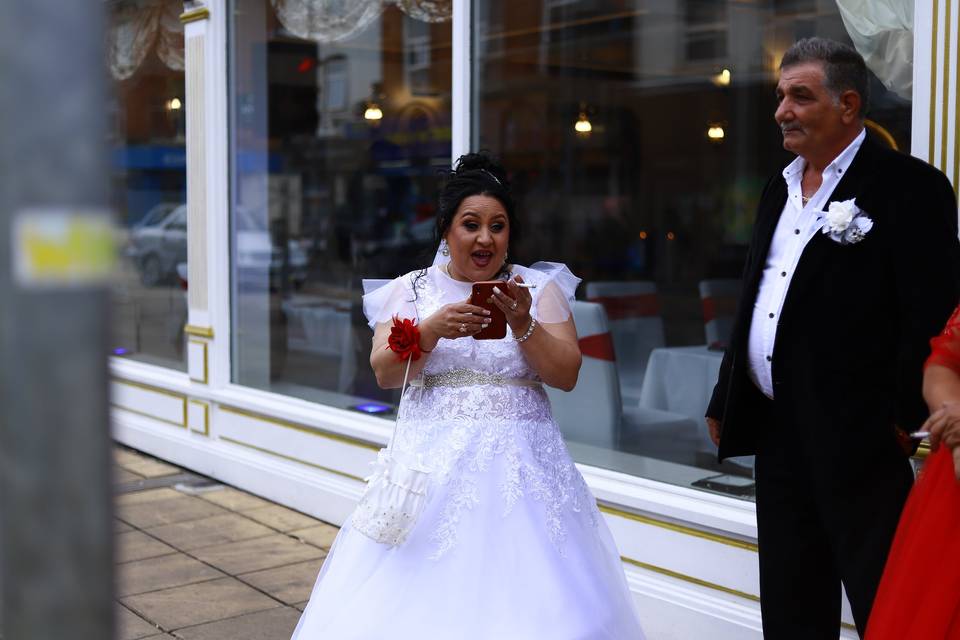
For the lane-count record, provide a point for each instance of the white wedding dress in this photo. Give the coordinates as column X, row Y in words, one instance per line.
column 511, row 544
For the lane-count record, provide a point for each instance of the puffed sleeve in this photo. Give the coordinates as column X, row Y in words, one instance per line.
column 383, row 299
column 946, row 346
column 556, row 290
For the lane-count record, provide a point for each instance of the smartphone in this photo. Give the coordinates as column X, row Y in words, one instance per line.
column 729, row 484
column 481, row 292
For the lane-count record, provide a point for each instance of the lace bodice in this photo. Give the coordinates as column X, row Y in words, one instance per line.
column 467, row 434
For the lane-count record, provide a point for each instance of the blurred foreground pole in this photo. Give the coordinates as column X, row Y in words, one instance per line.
column 55, row 254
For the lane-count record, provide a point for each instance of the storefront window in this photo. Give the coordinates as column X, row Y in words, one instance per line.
column 638, row 136
column 148, row 174
column 340, row 121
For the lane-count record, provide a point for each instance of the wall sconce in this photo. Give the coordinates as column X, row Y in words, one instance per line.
column 174, row 104
column 722, row 79
column 372, row 112
column 715, row 133
column 583, row 126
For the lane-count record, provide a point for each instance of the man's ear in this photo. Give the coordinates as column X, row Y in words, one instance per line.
column 850, row 102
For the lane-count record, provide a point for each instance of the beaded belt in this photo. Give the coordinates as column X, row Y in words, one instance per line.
column 466, row 378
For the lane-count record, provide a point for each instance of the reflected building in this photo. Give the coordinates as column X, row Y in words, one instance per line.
column 304, row 153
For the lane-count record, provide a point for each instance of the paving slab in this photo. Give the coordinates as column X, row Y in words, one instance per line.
column 260, row 553
column 127, row 456
column 150, row 468
column 119, row 526
column 130, row 626
column 199, row 603
column 136, row 545
column 272, row 624
column 235, row 500
column 281, row 518
column 290, row 584
column 149, row 495
column 154, row 574
column 321, row 535
column 121, row 475
column 215, row 530
column 155, row 513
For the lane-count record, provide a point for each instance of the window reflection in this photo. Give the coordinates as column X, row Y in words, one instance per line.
column 148, row 174
column 340, row 121
column 639, row 136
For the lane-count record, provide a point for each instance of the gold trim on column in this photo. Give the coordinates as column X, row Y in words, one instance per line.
column 691, row 579
column 944, row 116
column 205, row 369
column 956, row 119
column 290, row 458
column 201, row 13
column 931, row 123
column 679, row 528
column 198, row 331
column 206, row 417
column 302, row 428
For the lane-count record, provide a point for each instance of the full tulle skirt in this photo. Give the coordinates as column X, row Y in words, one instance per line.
column 474, row 569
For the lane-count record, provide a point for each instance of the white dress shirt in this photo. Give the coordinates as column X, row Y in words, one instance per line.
column 797, row 225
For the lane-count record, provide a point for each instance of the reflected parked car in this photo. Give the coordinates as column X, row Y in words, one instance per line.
column 158, row 243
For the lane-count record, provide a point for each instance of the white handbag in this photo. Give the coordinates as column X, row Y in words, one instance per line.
column 396, row 493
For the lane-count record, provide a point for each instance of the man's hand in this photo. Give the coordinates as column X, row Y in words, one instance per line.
column 714, row 426
column 944, row 428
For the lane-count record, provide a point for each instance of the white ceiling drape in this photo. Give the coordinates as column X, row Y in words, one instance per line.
column 137, row 28
column 882, row 31
column 335, row 20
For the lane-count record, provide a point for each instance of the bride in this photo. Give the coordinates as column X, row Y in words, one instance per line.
column 510, row 543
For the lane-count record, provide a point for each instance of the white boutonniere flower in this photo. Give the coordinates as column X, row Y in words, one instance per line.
column 846, row 223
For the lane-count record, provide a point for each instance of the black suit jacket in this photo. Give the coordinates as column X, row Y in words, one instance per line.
column 857, row 319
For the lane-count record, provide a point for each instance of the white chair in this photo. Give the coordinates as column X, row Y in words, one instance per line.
column 718, row 298
column 593, row 413
column 633, row 312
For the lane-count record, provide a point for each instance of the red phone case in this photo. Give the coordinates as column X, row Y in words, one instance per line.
column 498, row 321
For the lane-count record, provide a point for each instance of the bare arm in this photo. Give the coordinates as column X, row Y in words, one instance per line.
column 445, row 323
column 552, row 348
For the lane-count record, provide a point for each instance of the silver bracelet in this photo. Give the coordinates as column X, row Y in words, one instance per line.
column 533, row 325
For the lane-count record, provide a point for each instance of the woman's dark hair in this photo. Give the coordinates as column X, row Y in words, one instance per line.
column 475, row 174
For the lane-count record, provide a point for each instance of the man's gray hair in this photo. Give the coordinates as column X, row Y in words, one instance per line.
column 844, row 68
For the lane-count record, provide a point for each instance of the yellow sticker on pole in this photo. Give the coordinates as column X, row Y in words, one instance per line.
column 61, row 247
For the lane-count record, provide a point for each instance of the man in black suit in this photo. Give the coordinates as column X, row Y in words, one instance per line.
column 853, row 266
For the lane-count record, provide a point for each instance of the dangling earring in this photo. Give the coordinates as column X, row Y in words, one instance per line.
column 505, row 256
column 444, row 248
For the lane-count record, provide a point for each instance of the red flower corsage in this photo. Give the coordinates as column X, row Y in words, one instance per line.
column 405, row 339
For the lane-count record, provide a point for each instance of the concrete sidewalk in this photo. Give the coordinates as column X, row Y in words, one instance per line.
column 202, row 561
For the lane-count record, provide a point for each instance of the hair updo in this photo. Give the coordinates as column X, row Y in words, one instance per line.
column 475, row 174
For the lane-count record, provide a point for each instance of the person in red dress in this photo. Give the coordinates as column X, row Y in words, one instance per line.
column 919, row 595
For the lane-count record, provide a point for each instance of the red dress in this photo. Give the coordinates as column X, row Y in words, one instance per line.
column 919, row 595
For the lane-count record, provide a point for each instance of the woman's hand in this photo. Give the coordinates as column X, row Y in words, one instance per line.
column 455, row 320
column 515, row 302
column 944, row 427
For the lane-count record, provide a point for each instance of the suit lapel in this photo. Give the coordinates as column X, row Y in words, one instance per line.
column 815, row 253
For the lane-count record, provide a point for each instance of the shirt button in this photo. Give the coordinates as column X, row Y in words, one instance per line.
column 796, row 231
column 771, row 315
column 783, row 273
column 769, row 359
